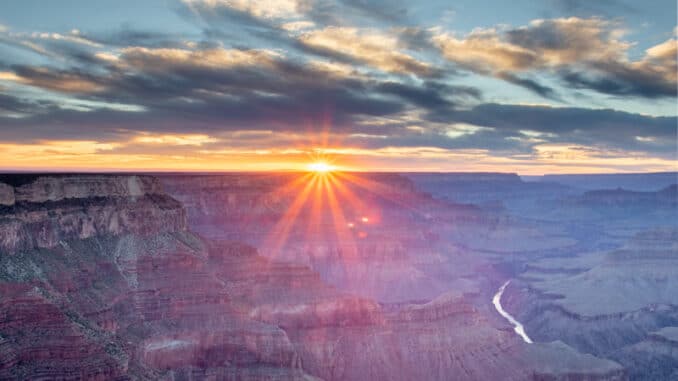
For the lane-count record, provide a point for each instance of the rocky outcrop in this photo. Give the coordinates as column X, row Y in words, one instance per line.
column 621, row 198
column 42, row 188
column 48, row 210
column 6, row 195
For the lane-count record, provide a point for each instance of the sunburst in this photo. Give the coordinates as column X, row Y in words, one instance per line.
column 321, row 167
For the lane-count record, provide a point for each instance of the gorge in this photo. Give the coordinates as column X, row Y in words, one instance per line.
column 517, row 326
column 188, row 277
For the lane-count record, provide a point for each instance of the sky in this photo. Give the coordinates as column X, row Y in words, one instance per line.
column 526, row 86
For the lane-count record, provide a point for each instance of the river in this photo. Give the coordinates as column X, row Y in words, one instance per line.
column 496, row 300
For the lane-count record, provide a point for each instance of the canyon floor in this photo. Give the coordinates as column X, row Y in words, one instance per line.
column 338, row 276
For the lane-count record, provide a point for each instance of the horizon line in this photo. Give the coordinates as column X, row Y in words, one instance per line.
column 66, row 171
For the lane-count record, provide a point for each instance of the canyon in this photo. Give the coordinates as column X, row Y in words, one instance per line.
column 284, row 276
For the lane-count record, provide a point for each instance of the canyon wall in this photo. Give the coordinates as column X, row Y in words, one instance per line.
column 47, row 210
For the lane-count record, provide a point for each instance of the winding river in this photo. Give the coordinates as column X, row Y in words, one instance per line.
column 496, row 300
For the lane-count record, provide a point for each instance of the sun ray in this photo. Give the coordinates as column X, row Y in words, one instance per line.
column 321, row 167
column 343, row 234
column 411, row 203
column 280, row 232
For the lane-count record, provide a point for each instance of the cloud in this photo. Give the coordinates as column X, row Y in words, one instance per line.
column 206, row 88
column 430, row 95
column 256, row 8
column 591, row 127
column 375, row 48
column 294, row 26
column 530, row 84
column 570, row 40
column 379, row 91
column 14, row 107
column 313, row 27
column 68, row 81
column 203, row 92
column 175, row 140
column 485, row 52
column 654, row 76
column 584, row 53
column 163, row 59
column 126, row 36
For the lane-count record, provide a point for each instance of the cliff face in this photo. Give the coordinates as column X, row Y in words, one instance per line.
column 111, row 285
column 41, row 213
column 37, row 189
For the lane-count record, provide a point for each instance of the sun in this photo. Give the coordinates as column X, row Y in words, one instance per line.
column 320, row 167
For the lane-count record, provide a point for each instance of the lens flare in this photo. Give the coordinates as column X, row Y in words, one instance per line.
column 320, row 167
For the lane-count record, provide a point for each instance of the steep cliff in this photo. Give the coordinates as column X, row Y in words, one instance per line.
column 47, row 210
column 101, row 280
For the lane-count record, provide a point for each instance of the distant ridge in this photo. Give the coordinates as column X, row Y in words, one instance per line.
column 628, row 181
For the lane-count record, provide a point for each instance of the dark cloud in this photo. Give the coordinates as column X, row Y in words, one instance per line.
column 616, row 79
column 265, row 93
column 530, row 84
column 11, row 105
column 429, row 95
column 128, row 36
column 417, row 39
column 578, row 125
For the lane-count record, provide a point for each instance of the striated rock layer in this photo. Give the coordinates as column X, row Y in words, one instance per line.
column 52, row 209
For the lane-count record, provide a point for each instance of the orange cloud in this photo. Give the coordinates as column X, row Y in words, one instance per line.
column 375, row 48
column 177, row 140
column 53, row 80
column 160, row 59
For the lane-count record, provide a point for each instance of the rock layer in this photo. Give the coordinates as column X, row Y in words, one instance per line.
column 52, row 209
